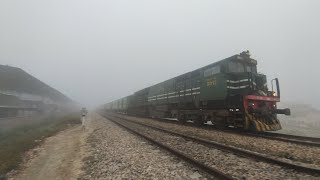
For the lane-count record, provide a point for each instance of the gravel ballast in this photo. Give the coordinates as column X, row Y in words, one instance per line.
column 117, row 154
column 233, row 165
column 306, row 155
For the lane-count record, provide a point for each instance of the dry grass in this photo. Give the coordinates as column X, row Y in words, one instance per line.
column 14, row 143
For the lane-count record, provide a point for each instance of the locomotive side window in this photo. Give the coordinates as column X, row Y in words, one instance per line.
column 251, row 68
column 212, row 71
column 248, row 68
column 254, row 69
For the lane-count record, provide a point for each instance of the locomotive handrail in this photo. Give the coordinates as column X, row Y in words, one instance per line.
column 278, row 86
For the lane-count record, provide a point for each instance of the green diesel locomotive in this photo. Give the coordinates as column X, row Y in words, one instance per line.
column 229, row 93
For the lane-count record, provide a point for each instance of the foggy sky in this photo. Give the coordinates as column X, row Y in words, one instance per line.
column 100, row 50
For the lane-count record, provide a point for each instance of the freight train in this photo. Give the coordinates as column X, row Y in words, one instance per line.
column 228, row 93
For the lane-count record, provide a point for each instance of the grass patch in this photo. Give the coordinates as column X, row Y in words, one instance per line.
column 286, row 155
column 14, row 143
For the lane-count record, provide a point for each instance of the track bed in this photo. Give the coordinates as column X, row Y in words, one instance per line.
column 226, row 161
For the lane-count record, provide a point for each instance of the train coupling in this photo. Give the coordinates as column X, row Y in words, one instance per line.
column 266, row 111
column 285, row 111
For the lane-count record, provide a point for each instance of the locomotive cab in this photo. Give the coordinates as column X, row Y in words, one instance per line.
column 258, row 107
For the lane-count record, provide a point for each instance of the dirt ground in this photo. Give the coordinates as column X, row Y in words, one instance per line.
column 59, row 157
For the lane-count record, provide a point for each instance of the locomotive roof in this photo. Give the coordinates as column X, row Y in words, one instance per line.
column 244, row 56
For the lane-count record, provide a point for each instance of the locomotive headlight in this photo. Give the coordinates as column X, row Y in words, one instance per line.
column 273, row 93
column 237, row 109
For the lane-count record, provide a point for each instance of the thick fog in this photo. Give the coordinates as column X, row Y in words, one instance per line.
column 98, row 50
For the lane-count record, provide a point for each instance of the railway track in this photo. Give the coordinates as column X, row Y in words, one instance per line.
column 249, row 158
column 302, row 140
column 212, row 171
column 308, row 141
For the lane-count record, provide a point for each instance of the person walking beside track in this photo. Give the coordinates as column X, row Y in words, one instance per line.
column 84, row 113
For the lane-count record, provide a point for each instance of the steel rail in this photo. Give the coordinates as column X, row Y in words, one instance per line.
column 298, row 139
column 242, row 152
column 302, row 140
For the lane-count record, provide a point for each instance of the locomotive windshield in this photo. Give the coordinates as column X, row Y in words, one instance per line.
column 251, row 68
column 239, row 67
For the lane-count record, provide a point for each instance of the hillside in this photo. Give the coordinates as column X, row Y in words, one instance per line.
column 16, row 79
column 6, row 100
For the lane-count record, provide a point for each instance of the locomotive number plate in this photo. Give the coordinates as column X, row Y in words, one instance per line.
column 211, row 82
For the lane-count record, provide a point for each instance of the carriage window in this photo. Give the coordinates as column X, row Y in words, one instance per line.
column 212, row 71
column 236, row 67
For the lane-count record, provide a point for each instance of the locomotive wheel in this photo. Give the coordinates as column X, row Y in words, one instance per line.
column 199, row 121
column 219, row 122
